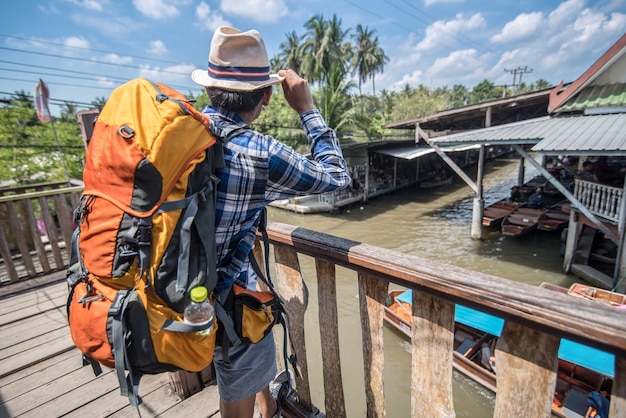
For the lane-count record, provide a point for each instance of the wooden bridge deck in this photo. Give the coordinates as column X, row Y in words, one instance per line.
column 41, row 372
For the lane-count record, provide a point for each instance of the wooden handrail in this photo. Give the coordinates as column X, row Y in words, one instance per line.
column 527, row 351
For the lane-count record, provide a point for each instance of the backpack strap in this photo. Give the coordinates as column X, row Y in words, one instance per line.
column 283, row 317
column 129, row 384
column 190, row 204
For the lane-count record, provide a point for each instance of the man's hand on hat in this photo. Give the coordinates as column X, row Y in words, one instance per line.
column 296, row 91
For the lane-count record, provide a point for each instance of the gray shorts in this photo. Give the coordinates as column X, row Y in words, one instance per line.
column 252, row 367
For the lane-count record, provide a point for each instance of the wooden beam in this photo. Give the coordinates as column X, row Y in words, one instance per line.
column 458, row 170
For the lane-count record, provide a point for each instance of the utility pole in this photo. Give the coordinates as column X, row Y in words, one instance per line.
column 521, row 71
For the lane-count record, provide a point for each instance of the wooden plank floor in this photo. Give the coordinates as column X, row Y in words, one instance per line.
column 41, row 372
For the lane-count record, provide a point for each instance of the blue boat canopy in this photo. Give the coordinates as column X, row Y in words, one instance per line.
column 589, row 357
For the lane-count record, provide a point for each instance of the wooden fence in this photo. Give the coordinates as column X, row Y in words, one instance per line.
column 36, row 222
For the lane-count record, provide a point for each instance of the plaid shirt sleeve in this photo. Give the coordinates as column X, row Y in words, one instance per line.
column 292, row 174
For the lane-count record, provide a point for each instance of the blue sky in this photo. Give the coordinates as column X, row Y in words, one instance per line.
column 84, row 48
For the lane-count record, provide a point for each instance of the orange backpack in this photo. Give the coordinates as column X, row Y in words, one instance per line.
column 145, row 235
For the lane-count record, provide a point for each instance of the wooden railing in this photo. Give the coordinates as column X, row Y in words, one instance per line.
column 601, row 200
column 535, row 318
column 36, row 222
column 535, row 321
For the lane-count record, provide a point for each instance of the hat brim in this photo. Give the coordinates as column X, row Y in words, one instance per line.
column 202, row 77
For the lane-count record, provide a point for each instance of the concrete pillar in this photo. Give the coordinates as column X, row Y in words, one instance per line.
column 479, row 203
column 477, row 218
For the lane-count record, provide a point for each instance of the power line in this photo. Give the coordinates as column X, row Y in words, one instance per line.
column 88, row 49
column 108, row 77
column 58, row 102
column 521, row 71
column 135, row 67
column 58, row 84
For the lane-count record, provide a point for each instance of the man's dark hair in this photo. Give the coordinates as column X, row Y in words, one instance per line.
column 236, row 101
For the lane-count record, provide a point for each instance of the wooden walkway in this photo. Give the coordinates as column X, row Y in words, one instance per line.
column 41, row 372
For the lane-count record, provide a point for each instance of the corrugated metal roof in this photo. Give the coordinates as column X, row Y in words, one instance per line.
column 529, row 131
column 597, row 97
column 575, row 135
column 593, row 134
column 407, row 153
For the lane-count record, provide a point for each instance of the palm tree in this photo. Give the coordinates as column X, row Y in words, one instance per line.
column 334, row 99
column 316, row 28
column 68, row 112
column 99, row 103
column 324, row 47
column 334, row 50
column 290, row 52
column 368, row 57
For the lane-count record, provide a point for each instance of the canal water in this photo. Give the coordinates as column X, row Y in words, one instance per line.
column 435, row 224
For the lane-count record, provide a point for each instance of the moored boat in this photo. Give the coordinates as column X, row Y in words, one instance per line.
column 497, row 211
column 581, row 369
column 521, row 221
column 552, row 220
column 436, row 182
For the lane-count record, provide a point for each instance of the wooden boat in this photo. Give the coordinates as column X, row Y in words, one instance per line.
column 581, row 369
column 552, row 220
column 521, row 221
column 436, row 182
column 497, row 211
column 586, row 291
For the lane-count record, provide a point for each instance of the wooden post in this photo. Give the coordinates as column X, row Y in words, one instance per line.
column 334, row 400
column 432, row 328
column 291, row 287
column 527, row 361
column 573, row 232
column 372, row 294
column 618, row 393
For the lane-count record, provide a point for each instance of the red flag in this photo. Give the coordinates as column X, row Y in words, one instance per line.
column 41, row 101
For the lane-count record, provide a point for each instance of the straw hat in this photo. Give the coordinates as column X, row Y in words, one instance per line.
column 237, row 61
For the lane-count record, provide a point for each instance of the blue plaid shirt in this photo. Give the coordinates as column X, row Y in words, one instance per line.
column 260, row 169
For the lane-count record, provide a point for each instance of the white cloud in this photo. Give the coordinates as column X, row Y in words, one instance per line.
column 267, row 11
column 459, row 65
column 105, row 82
column 432, row 2
column 443, row 33
column 171, row 74
column 157, row 47
column 209, row 20
column 76, row 42
column 116, row 59
column 159, row 9
column 88, row 4
column 522, row 27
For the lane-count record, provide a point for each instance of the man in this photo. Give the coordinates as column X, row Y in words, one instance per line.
column 586, row 173
column 258, row 169
column 537, row 200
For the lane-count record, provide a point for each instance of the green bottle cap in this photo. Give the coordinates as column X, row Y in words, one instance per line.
column 199, row 293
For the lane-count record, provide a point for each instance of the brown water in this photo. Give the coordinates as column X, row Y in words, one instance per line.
column 429, row 223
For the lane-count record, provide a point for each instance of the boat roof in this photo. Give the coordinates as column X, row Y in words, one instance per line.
column 589, row 357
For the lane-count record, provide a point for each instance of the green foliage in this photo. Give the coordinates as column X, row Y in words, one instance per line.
column 415, row 103
column 28, row 148
column 485, row 91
